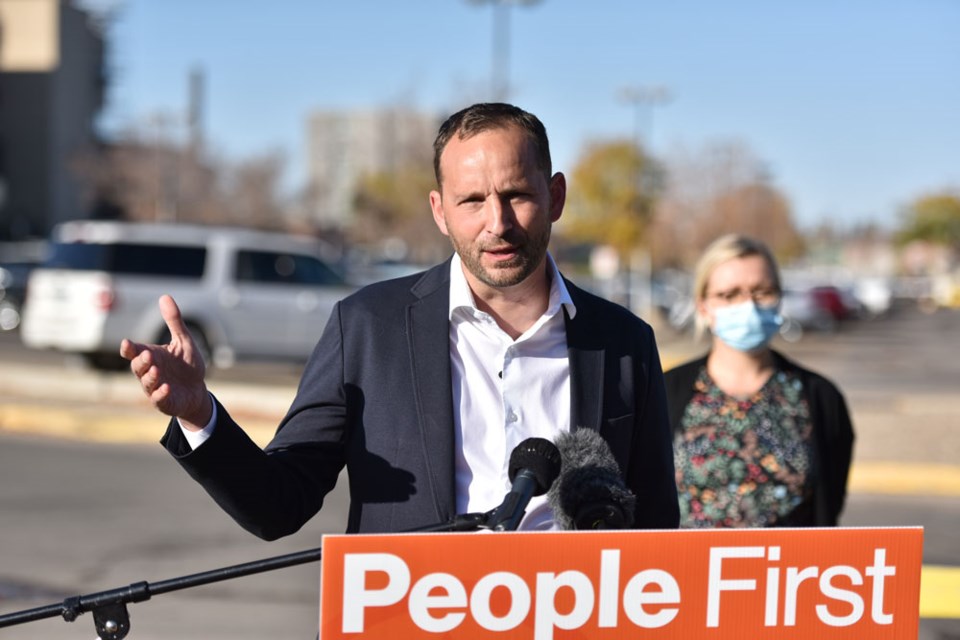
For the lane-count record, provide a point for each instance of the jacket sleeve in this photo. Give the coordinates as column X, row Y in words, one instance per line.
column 274, row 492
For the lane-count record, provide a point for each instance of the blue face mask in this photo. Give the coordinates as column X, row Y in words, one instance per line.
column 746, row 326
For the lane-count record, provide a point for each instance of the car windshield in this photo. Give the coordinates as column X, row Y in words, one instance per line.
column 133, row 259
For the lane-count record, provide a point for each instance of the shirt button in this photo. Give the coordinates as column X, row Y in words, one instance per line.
column 511, row 416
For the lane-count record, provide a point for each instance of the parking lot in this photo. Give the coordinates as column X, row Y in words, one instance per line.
column 91, row 502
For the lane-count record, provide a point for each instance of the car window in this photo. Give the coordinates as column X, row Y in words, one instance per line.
column 271, row 267
column 130, row 259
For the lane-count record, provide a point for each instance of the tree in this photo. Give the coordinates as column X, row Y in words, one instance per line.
column 250, row 191
column 933, row 218
column 720, row 189
column 147, row 174
column 393, row 205
column 611, row 198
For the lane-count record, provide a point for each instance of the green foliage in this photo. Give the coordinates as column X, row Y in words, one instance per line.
column 933, row 218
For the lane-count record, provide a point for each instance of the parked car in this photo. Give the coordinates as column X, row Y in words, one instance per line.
column 802, row 311
column 840, row 304
column 243, row 293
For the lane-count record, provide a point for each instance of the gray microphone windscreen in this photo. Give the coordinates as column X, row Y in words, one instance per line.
column 590, row 492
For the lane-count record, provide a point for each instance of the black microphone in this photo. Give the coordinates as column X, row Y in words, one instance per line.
column 534, row 465
column 590, row 492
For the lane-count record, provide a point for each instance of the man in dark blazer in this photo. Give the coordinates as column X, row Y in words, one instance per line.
column 389, row 390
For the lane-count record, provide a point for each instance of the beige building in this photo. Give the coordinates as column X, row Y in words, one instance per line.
column 344, row 145
column 52, row 84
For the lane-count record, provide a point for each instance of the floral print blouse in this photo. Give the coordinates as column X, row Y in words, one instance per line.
column 745, row 462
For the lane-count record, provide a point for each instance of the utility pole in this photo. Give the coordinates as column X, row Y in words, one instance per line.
column 643, row 100
column 500, row 65
column 640, row 270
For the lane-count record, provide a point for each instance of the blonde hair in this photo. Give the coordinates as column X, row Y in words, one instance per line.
column 724, row 249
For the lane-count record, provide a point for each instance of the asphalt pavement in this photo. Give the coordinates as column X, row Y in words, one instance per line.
column 900, row 375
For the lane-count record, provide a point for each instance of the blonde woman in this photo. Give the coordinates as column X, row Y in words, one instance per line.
column 759, row 441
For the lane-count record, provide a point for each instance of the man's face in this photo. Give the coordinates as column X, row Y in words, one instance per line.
column 496, row 205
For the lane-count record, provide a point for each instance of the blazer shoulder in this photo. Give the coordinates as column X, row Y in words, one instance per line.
column 402, row 290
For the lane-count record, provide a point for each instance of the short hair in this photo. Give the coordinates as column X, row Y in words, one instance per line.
column 485, row 116
column 724, row 249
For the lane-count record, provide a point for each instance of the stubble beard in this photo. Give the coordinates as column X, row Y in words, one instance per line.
column 530, row 252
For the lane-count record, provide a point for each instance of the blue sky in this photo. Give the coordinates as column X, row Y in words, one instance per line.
column 853, row 105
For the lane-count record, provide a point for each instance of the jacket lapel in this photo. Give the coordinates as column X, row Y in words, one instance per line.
column 586, row 365
column 428, row 343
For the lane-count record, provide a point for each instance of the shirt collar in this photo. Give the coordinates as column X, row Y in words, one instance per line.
column 462, row 297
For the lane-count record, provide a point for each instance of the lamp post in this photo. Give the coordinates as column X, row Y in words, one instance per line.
column 640, row 270
column 500, row 66
column 643, row 100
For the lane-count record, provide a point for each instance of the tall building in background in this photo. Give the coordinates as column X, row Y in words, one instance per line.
column 345, row 145
column 52, row 85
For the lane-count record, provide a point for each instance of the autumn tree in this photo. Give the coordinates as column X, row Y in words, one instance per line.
column 720, row 189
column 250, row 191
column 611, row 196
column 148, row 174
column 394, row 205
column 933, row 218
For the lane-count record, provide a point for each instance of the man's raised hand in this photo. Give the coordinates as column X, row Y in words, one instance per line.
column 172, row 374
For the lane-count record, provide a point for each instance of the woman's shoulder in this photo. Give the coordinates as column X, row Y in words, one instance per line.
column 814, row 381
column 681, row 377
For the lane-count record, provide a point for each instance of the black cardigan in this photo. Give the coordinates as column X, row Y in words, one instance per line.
column 832, row 431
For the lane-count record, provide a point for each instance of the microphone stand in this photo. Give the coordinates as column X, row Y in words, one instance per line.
column 110, row 615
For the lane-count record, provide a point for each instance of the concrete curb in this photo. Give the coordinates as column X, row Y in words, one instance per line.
column 110, row 408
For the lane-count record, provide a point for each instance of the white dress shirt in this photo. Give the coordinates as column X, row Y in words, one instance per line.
column 505, row 391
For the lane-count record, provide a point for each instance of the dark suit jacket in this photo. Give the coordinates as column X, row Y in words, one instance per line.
column 376, row 397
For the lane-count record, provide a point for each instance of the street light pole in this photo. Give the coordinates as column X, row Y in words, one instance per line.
column 640, row 271
column 500, row 64
column 643, row 100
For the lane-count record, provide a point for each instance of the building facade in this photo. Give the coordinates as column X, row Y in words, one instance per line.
column 345, row 145
column 52, row 85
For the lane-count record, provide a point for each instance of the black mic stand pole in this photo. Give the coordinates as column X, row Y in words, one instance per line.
column 109, row 607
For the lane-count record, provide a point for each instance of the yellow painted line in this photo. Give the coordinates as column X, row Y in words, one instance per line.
column 90, row 424
column 939, row 592
column 939, row 585
column 905, row 478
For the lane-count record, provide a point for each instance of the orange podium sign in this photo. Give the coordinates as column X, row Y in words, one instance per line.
column 719, row 584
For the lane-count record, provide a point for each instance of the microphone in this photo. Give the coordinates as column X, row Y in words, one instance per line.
column 590, row 493
column 534, row 465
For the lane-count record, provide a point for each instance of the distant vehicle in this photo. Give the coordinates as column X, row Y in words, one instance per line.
column 13, row 285
column 839, row 304
column 802, row 310
column 244, row 294
column 874, row 294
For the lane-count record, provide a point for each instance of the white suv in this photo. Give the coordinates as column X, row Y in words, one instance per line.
column 243, row 293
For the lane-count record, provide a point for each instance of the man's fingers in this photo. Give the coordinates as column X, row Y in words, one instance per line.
column 130, row 349
column 160, row 394
column 149, row 378
column 141, row 361
column 171, row 315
